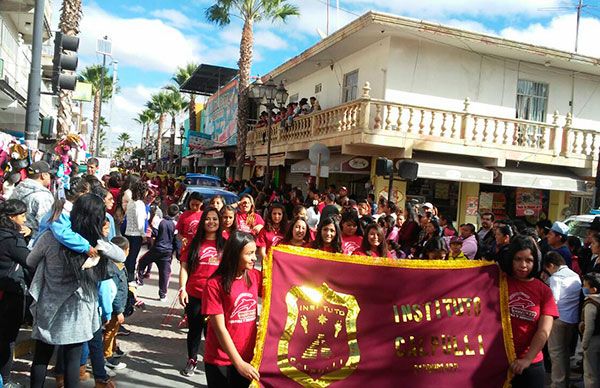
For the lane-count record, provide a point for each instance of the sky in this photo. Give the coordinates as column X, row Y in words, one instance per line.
column 151, row 38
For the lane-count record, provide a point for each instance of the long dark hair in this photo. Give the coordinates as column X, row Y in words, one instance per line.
column 78, row 186
column 289, row 234
column 352, row 216
column 228, row 208
column 87, row 219
column 230, row 262
column 336, row 244
column 269, row 224
column 382, row 249
column 520, row 243
column 12, row 207
column 200, row 236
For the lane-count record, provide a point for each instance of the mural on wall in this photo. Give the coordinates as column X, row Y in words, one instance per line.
column 221, row 115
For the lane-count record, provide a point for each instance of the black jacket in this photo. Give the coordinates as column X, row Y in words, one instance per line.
column 14, row 273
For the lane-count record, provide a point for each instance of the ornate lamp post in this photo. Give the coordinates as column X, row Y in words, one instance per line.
column 181, row 137
column 270, row 96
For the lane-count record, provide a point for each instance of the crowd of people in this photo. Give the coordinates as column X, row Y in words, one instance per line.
column 285, row 117
column 71, row 265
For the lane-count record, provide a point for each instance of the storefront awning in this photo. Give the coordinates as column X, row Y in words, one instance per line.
column 339, row 164
column 276, row 160
column 537, row 179
column 452, row 172
column 207, row 79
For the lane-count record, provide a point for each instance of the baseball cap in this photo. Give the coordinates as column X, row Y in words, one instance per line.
column 343, row 188
column 560, row 228
column 427, row 205
column 40, row 167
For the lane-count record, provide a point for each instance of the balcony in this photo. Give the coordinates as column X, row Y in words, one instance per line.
column 372, row 127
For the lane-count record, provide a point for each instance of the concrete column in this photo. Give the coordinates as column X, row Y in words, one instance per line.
column 466, row 189
column 558, row 201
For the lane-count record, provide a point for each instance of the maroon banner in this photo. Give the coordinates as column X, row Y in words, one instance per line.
column 355, row 321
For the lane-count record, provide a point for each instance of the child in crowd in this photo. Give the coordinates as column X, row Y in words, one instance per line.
column 456, row 252
column 188, row 220
column 351, row 232
column 247, row 219
column 373, row 244
column 113, row 314
column 161, row 252
column 231, row 303
column 297, row 233
column 228, row 221
column 274, row 230
column 328, row 236
column 590, row 329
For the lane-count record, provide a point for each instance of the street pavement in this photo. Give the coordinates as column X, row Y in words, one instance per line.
column 156, row 347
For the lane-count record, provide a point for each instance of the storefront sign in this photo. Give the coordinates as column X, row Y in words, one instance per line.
column 344, row 321
column 528, row 202
column 357, row 164
column 472, row 205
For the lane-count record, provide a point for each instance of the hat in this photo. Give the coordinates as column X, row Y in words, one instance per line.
column 456, row 240
column 560, row 228
column 39, row 168
column 427, row 205
column 343, row 188
column 595, row 225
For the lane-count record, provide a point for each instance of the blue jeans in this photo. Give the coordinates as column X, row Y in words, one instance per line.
column 97, row 356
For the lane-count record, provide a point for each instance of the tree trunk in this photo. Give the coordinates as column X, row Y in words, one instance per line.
column 70, row 16
column 145, row 146
column 159, row 140
column 192, row 112
column 172, row 145
column 244, row 64
column 95, row 124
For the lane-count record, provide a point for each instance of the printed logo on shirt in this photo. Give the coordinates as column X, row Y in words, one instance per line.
column 520, row 305
column 244, row 309
column 209, row 256
column 276, row 239
column 349, row 247
column 192, row 227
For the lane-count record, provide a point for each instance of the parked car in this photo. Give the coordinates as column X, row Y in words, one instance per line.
column 207, row 194
column 193, row 179
column 579, row 224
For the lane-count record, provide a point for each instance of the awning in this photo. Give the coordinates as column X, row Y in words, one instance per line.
column 430, row 169
column 210, row 162
column 276, row 160
column 207, row 79
column 339, row 164
column 537, row 179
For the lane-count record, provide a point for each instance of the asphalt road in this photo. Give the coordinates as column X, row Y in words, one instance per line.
column 156, row 348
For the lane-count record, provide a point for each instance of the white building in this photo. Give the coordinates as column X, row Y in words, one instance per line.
column 481, row 114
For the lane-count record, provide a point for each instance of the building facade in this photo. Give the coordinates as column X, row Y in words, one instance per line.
column 494, row 124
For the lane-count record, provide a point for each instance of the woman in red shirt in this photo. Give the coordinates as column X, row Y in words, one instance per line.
column 228, row 221
column 272, row 233
column 297, row 233
column 352, row 235
column 247, row 219
column 532, row 310
column 231, row 304
column 373, row 243
column 328, row 236
column 199, row 260
column 187, row 223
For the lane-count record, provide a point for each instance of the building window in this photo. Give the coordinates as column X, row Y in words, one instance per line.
column 293, row 98
column 532, row 105
column 350, row 86
column 318, row 88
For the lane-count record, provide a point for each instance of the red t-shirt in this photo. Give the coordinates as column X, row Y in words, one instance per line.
column 242, row 224
column 240, row 311
column 225, row 233
column 527, row 301
column 351, row 243
column 187, row 225
column 269, row 239
column 209, row 259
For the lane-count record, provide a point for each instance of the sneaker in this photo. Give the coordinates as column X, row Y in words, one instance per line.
column 109, row 372
column 118, row 353
column 115, row 364
column 163, row 299
column 123, row 331
column 190, row 368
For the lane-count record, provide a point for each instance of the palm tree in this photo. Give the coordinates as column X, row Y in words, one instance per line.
column 146, row 118
column 70, row 16
column 159, row 104
column 181, row 75
column 93, row 75
column 249, row 11
column 102, row 136
column 125, row 139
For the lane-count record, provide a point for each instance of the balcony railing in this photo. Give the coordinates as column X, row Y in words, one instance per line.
column 425, row 125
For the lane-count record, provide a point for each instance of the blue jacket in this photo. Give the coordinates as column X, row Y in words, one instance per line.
column 119, row 277
column 61, row 229
column 165, row 240
column 106, row 295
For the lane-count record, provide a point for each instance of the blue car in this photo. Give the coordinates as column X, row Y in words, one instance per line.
column 207, row 194
column 193, row 179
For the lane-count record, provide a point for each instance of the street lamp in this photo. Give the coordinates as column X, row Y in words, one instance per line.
column 181, row 137
column 270, row 95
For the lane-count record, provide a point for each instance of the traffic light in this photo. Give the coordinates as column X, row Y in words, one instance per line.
column 63, row 61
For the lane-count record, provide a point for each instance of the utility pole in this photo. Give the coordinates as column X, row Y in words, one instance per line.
column 104, row 48
column 32, row 115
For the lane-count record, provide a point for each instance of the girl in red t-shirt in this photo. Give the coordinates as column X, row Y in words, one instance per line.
column 351, row 232
column 228, row 221
column 218, row 202
column 199, row 260
column 231, row 303
column 247, row 219
column 328, row 236
column 187, row 223
column 373, row 243
column 272, row 233
column 532, row 310
column 297, row 233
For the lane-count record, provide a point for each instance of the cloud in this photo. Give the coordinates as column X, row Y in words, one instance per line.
column 177, row 19
column 559, row 33
column 134, row 8
column 148, row 44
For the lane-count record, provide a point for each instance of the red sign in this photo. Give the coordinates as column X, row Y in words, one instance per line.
column 355, row 321
column 528, row 202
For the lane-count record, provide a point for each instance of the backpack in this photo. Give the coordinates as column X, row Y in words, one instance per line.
column 597, row 323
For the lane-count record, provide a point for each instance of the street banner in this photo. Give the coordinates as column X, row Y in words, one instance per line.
column 355, row 321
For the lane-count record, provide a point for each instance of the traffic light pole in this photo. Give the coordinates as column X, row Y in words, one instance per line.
column 97, row 149
column 32, row 115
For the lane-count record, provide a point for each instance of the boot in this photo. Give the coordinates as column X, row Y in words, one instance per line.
column 84, row 374
column 60, row 381
column 108, row 383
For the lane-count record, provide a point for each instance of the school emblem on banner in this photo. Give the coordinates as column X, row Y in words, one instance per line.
column 318, row 345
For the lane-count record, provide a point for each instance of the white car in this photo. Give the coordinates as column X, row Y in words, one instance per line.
column 578, row 225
